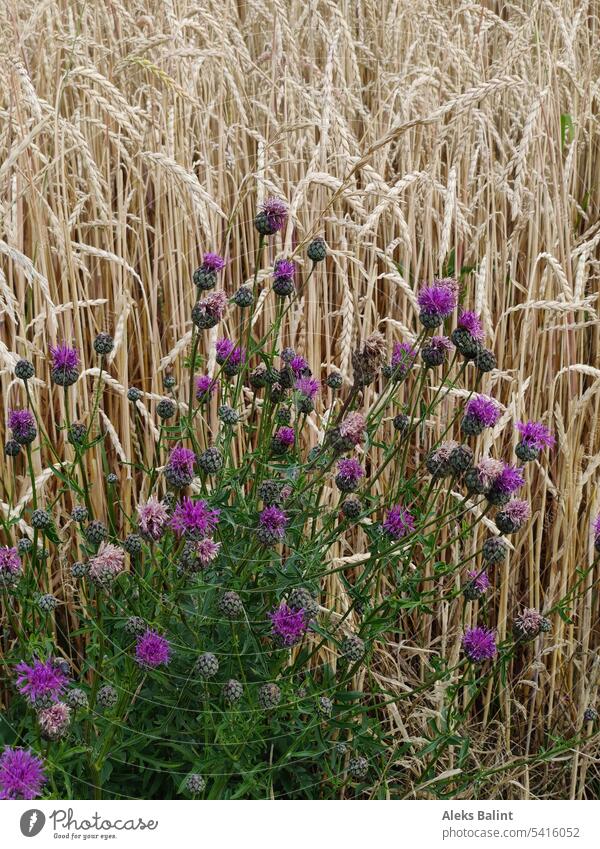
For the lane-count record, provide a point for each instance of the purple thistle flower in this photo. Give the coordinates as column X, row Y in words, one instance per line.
column 152, row 518
column 470, row 321
column 285, row 436
column 64, row 357
column 228, row 353
column 10, row 562
column 479, row 580
column 437, row 301
column 22, row 424
column 43, row 680
column 272, row 216
column 596, row 531
column 152, row 649
column 206, row 386
column 299, row 365
column 182, row 460
column 273, row 520
column 284, row 269
column 508, row 481
column 535, row 435
column 403, row 356
column 479, row 644
column 21, row 774
column 350, row 468
column 483, row 410
column 195, row 519
column 307, row 386
column 213, row 262
column 207, row 550
column 288, row 626
column 398, row 522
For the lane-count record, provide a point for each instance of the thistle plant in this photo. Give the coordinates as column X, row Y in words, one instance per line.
column 208, row 657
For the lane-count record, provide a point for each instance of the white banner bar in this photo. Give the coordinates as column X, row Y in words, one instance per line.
column 291, row 825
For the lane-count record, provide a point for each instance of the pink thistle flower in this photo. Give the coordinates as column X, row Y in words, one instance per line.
column 508, row 481
column 480, row 412
column 272, row 524
column 479, row 580
column 194, row 519
column 107, row 564
column 10, row 562
column 152, row 518
column 398, row 522
column 299, row 365
column 272, row 216
column 284, row 268
column 289, row 626
column 179, row 470
column 210, row 310
column 152, row 650
column 353, row 428
column 21, row 774
column 207, row 550
column 229, row 355
column 479, row 644
column 54, row 721
column 43, row 680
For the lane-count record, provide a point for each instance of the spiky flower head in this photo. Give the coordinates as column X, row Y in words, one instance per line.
column 288, row 626
column 195, row 784
column 317, row 249
column 209, row 311
column 24, row 370
column 65, row 364
column 438, row 461
column 307, row 386
column 205, row 276
column 349, row 472
column 271, row 217
column 477, row 585
column 232, row 691
column 513, row 516
column 272, row 524
column 283, row 438
column 367, row 360
column 284, row 268
column 54, row 721
column 42, row 682
column 21, row 774
column 596, row 531
column 206, row 386
column 352, row 428
column 194, row 519
column 528, row 624
column 480, row 412
column 179, row 470
column 398, row 522
column 437, row 301
column 434, row 353
column 107, row 564
column 535, row 435
column 22, row 424
column 358, row 767
column 471, row 323
column 269, row 696
column 103, row 344
column 152, row 649
column 152, row 518
column 479, row 644
column 230, row 356
column 509, row 480
column 10, row 566
column 298, row 365
column 403, row 358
